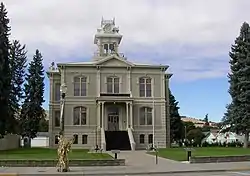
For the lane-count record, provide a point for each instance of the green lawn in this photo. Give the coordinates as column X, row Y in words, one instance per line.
column 179, row 154
column 46, row 153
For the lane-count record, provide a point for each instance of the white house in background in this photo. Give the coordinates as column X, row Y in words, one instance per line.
column 229, row 137
column 219, row 137
column 210, row 138
column 42, row 140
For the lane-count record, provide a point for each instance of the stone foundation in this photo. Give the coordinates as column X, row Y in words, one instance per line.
column 52, row 163
column 219, row 159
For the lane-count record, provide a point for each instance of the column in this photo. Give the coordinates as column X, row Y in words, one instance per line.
column 129, row 80
column 103, row 115
column 98, row 83
column 62, row 75
column 162, row 84
column 153, row 122
column 127, row 115
column 131, row 115
column 98, row 115
column 51, row 97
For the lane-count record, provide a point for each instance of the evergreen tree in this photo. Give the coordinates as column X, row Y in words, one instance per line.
column 18, row 65
column 206, row 120
column 238, row 111
column 5, row 77
column 32, row 110
column 176, row 130
column 44, row 124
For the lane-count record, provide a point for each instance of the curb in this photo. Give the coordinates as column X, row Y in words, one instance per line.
column 169, row 172
column 130, row 173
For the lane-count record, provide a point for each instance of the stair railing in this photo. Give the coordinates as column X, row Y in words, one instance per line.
column 103, row 140
column 131, row 139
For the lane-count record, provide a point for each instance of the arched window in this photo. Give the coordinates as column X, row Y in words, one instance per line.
column 57, row 118
column 80, row 86
column 80, row 116
column 145, row 87
column 150, row 138
column 75, row 139
column 84, row 139
column 145, row 116
column 142, row 138
column 57, row 92
column 113, row 84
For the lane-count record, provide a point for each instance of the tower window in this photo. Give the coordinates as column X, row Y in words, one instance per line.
column 108, row 48
column 111, row 47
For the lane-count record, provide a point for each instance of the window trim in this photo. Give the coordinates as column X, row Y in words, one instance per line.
column 76, row 137
column 149, row 142
column 140, row 137
column 54, row 118
column 145, row 107
column 85, row 135
column 113, row 84
column 56, row 142
column 56, row 92
column 87, row 82
column 87, row 112
column 145, row 86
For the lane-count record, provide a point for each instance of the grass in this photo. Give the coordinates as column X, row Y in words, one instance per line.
column 47, row 153
column 179, row 154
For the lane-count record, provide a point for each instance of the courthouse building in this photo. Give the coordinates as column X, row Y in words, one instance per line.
column 110, row 101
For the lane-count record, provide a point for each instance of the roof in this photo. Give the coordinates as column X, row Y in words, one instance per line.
column 42, row 134
column 113, row 56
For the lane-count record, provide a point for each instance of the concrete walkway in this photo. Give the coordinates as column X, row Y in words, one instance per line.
column 137, row 162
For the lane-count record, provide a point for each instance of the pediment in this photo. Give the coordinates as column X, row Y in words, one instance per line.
column 114, row 61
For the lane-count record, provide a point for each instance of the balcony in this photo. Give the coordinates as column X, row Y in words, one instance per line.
column 115, row 94
column 115, row 97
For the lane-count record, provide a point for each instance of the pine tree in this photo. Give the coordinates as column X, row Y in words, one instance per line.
column 176, row 130
column 206, row 120
column 5, row 77
column 18, row 65
column 238, row 111
column 32, row 110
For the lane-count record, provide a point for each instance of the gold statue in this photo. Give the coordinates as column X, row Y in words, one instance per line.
column 64, row 146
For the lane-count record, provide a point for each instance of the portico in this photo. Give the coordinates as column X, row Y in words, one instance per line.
column 114, row 115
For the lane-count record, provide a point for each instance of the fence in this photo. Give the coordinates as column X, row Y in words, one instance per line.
column 10, row 141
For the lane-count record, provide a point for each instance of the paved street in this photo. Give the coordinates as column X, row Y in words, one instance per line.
column 205, row 174
column 140, row 163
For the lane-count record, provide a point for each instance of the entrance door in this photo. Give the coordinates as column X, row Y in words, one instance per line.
column 113, row 119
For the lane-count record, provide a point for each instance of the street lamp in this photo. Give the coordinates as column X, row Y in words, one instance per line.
column 63, row 90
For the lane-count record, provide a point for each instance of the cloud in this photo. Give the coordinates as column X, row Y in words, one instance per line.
column 193, row 37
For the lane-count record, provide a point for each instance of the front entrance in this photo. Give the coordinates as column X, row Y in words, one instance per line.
column 115, row 139
column 113, row 119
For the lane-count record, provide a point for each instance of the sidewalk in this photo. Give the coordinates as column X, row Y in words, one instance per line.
column 136, row 163
column 133, row 170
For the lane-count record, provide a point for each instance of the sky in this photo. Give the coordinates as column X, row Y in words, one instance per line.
column 193, row 37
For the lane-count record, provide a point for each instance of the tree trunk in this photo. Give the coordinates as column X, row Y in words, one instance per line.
column 246, row 138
